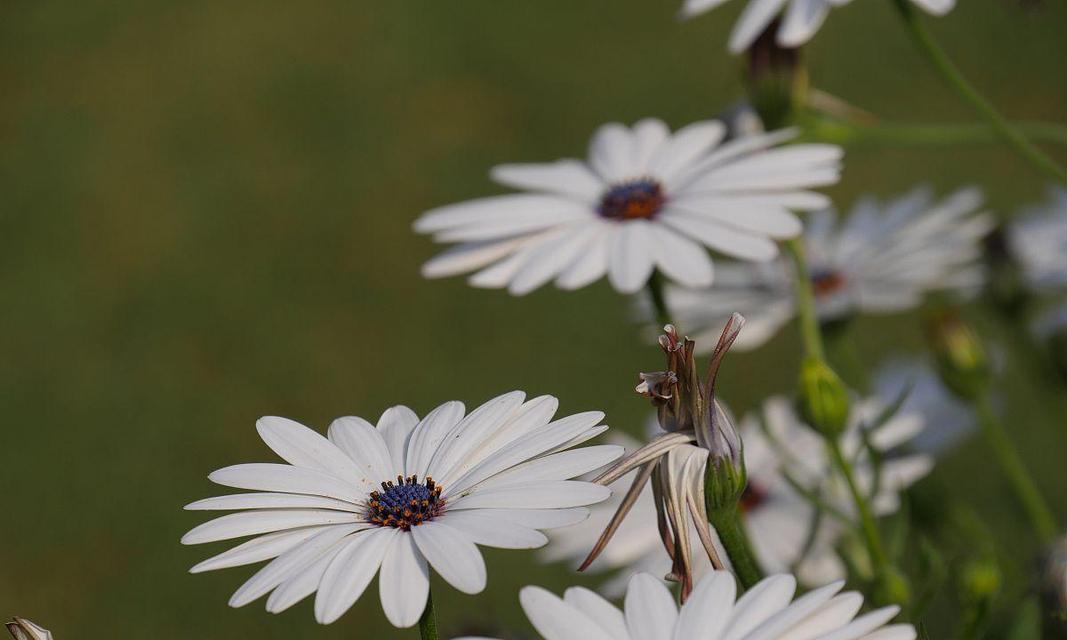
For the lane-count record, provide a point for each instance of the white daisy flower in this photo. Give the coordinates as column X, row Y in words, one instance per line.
column 781, row 453
column 1037, row 240
column 646, row 199
column 882, row 259
column 802, row 18
column 403, row 496
column 767, row 611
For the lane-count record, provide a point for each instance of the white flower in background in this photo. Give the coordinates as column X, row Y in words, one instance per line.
column 400, row 496
column 950, row 420
column 23, row 629
column 646, row 199
column 882, row 259
column 802, row 18
column 778, row 519
column 713, row 612
column 1037, row 241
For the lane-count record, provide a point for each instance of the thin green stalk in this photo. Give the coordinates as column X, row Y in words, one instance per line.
column 1011, row 464
column 955, row 80
column 728, row 525
column 925, row 135
column 871, row 536
column 805, row 300
column 659, row 303
column 428, row 621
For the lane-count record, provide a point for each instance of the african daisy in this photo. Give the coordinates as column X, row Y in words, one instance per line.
column 403, row 496
column 645, row 199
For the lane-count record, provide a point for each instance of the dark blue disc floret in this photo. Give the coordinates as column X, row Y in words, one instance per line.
column 406, row 503
column 632, row 200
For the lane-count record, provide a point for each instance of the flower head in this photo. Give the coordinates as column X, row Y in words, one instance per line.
column 882, row 259
column 23, row 629
column 712, row 612
column 801, row 21
column 645, row 199
column 403, row 496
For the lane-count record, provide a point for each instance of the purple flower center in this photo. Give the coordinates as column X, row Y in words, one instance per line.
column 752, row 497
column 633, row 200
column 406, row 503
column 827, row 282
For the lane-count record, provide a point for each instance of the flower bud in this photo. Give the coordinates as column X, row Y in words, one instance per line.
column 961, row 358
column 725, row 477
column 23, row 629
column 777, row 81
column 824, row 400
column 980, row 581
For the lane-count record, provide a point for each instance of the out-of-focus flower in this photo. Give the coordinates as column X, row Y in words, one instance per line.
column 713, row 611
column 801, row 21
column 883, row 259
column 780, row 450
column 23, row 629
column 949, row 420
column 645, row 199
column 1037, row 239
column 961, row 358
column 402, row 496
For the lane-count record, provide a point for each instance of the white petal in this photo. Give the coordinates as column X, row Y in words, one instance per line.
column 802, row 20
column 591, row 265
column 936, row 7
column 539, row 518
column 291, row 563
column 738, row 244
column 558, row 466
column 680, row 259
column 485, row 530
column 404, row 582
column 266, row 476
column 258, row 549
column 500, row 216
column 756, row 17
column 554, row 619
column 648, row 138
column 396, row 425
column 833, row 615
column 429, row 434
column 804, row 606
column 248, row 523
column 264, row 500
column 469, row 256
column 365, row 446
column 707, row 611
column 695, row 7
column 599, row 610
column 551, row 259
column 611, row 153
column 684, row 148
column 893, row 632
column 350, row 572
column 769, row 219
column 650, row 610
column 865, row 624
column 630, row 256
column 303, row 447
column 535, row 495
column 768, row 597
column 302, row 583
column 566, row 177
column 452, row 555
column 469, row 433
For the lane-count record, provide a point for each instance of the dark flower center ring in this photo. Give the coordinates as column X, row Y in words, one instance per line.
column 633, row 200
column 406, row 503
column 827, row 282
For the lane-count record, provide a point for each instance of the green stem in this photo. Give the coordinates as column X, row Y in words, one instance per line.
column 891, row 133
column 1013, row 467
column 871, row 536
column 728, row 525
column 659, row 303
column 428, row 621
column 955, row 80
column 805, row 300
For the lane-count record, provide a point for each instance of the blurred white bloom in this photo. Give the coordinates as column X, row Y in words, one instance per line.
column 333, row 515
column 882, row 259
column 23, row 629
column 949, row 420
column 1037, row 239
column 779, row 520
column 801, row 20
column 645, row 199
column 713, row 612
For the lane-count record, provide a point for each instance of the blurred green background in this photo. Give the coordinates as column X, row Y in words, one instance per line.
column 205, row 214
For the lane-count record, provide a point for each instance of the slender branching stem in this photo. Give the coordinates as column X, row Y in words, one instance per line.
column 872, row 537
column 428, row 621
column 659, row 302
column 805, row 301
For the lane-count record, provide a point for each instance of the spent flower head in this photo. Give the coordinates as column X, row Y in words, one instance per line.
column 23, row 629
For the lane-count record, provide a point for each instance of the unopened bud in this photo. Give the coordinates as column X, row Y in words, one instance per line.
column 23, row 629
column 725, row 477
column 824, row 400
column 980, row 580
column 961, row 358
column 777, row 81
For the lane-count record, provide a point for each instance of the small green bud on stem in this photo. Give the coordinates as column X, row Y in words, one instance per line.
column 961, row 358
column 824, row 400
